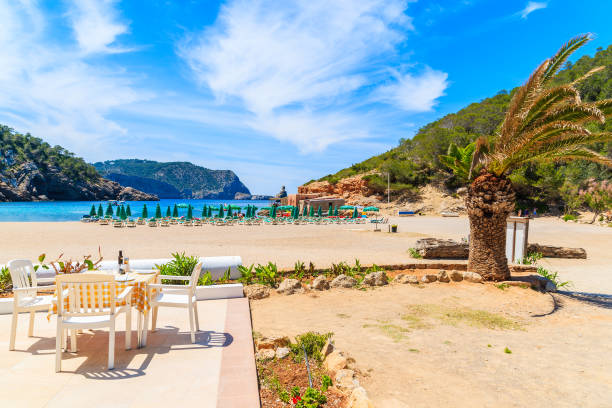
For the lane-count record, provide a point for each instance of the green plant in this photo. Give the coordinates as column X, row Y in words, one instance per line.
column 326, row 382
column 532, row 258
column 374, row 268
column 502, row 286
column 507, row 351
column 206, row 279
column 311, row 269
column 180, row 265
column 268, row 274
column 298, row 270
column 313, row 343
column 312, row 398
column 553, row 277
column 246, row 274
column 227, row 276
column 569, row 217
column 295, row 391
column 5, row 279
column 597, row 196
column 414, row 253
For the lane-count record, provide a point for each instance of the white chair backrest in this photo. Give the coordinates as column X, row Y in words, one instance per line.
column 195, row 275
column 86, row 294
column 22, row 273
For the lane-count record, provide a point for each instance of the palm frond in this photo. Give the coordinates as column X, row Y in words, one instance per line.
column 578, row 113
column 588, row 74
column 549, row 99
column 605, row 106
column 583, row 154
column 481, row 148
column 557, row 61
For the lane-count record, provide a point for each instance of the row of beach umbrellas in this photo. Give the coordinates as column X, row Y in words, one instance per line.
column 124, row 212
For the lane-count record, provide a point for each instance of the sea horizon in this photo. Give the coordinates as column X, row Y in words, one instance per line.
column 64, row 211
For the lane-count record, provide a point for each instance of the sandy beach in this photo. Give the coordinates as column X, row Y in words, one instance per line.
column 285, row 244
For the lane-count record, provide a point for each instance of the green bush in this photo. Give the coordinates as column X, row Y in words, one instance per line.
column 313, row 343
column 569, row 217
column 6, row 282
column 247, row 276
column 531, row 258
column 414, row 253
column 312, row 398
column 553, row 277
column 326, row 382
column 268, row 274
column 180, row 265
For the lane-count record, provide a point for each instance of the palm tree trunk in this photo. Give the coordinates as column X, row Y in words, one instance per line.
column 489, row 202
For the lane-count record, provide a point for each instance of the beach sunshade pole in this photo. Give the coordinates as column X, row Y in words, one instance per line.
column 145, row 211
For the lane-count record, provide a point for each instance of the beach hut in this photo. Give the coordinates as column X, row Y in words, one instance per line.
column 128, row 211
column 92, row 212
column 168, row 212
column 109, row 210
column 175, row 211
column 145, row 211
column 189, row 212
column 158, row 213
column 100, row 211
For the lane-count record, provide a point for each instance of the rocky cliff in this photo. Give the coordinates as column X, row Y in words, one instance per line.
column 354, row 190
column 29, row 182
column 31, row 170
column 175, row 179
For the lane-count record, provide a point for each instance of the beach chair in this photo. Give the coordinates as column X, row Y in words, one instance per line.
column 180, row 296
column 103, row 221
column 152, row 222
column 140, row 221
column 118, row 224
column 84, row 311
column 25, row 295
column 130, row 223
column 164, row 223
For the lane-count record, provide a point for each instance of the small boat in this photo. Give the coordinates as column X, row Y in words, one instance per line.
column 182, row 205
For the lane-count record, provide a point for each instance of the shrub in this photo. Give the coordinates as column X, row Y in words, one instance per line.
column 312, row 398
column 268, row 274
column 531, row 258
column 414, row 253
column 180, row 265
column 313, row 343
column 298, row 270
column 246, row 274
column 5, row 279
column 569, row 217
column 553, row 277
column 326, row 382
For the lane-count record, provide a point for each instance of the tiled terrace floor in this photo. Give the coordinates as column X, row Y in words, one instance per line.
column 218, row 371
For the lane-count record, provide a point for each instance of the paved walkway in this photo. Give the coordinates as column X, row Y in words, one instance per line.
column 218, row 371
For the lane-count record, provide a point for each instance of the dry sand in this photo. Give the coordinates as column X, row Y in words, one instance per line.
column 560, row 356
column 285, row 244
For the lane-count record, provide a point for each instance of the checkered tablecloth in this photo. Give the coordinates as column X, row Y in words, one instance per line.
column 140, row 299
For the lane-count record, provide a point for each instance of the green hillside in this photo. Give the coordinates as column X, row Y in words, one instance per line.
column 186, row 179
column 415, row 161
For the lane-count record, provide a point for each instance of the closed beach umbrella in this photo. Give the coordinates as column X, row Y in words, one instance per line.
column 253, row 211
column 92, row 212
column 319, row 212
column 247, row 214
column 158, row 211
column 100, row 211
column 305, row 210
column 189, row 212
column 128, row 211
column 204, row 213
column 175, row 211
column 355, row 213
column 273, row 212
column 336, row 211
column 168, row 212
column 311, row 211
column 296, row 213
column 145, row 212
column 109, row 210
column 123, row 213
column 229, row 212
column 331, row 210
column 209, row 211
column 221, row 213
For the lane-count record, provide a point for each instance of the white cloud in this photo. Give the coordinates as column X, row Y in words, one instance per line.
column 95, row 25
column 531, row 7
column 416, row 94
column 299, row 66
column 50, row 89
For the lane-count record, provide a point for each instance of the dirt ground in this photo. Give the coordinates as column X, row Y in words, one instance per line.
column 460, row 344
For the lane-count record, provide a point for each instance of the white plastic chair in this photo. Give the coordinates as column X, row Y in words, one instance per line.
column 180, row 296
column 26, row 298
column 86, row 311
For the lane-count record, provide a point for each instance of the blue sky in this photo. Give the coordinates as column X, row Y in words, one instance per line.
column 278, row 91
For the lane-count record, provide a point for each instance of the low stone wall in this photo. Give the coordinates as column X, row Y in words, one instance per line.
column 549, row 251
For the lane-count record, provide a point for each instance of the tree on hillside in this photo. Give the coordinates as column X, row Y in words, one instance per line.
column 543, row 124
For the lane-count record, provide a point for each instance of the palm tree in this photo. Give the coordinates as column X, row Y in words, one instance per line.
column 543, row 123
column 459, row 159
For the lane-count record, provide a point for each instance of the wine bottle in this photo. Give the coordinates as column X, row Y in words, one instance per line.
column 120, row 261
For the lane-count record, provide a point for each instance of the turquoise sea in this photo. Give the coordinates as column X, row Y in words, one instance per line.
column 74, row 210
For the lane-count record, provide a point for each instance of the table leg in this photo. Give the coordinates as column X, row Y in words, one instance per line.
column 145, row 329
column 139, row 329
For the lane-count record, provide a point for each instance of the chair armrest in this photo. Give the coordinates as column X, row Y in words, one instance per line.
column 46, row 280
column 24, row 290
column 125, row 293
column 173, row 287
column 174, row 277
